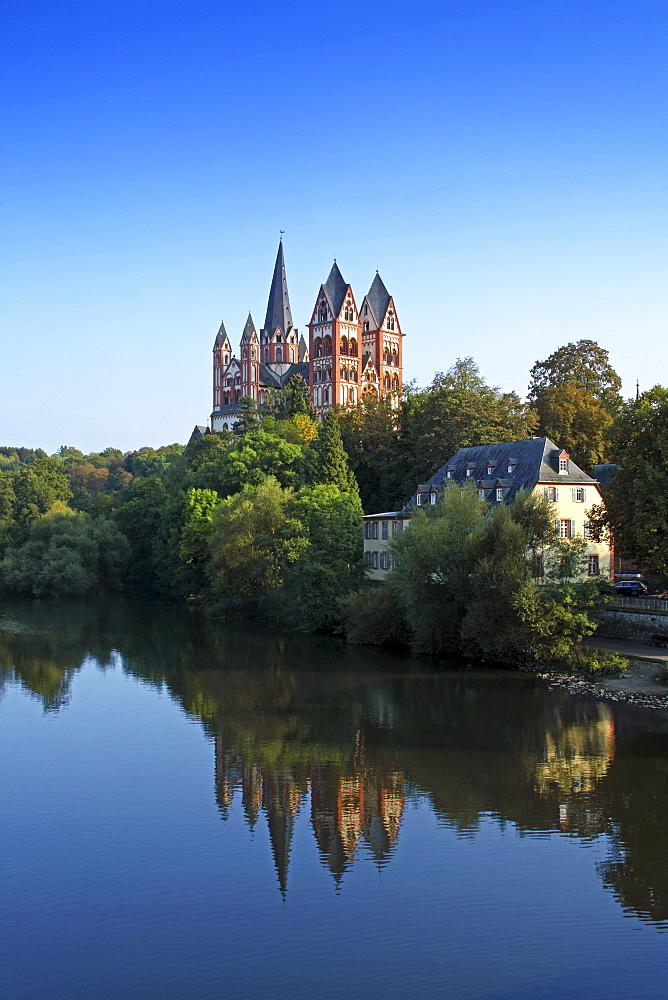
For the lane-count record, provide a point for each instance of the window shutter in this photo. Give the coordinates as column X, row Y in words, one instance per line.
column 572, row 529
column 556, row 492
column 546, row 493
column 558, row 527
column 584, row 493
column 574, row 493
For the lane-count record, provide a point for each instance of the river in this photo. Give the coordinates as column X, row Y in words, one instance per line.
column 196, row 810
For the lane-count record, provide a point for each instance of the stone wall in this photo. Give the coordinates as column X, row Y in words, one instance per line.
column 634, row 624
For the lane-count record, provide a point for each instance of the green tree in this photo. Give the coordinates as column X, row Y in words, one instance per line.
column 637, row 496
column 458, row 410
column 326, row 461
column 292, row 399
column 140, row 515
column 254, row 541
column 585, row 365
column 248, row 418
column 575, row 394
column 195, row 537
column 38, row 487
column 373, row 440
column 66, row 553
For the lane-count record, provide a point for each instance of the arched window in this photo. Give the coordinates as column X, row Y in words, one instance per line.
column 266, row 355
column 244, row 353
column 390, row 322
column 343, row 395
column 386, row 382
column 344, row 345
column 254, row 372
column 395, row 382
column 317, row 344
column 365, row 328
column 326, row 397
column 327, row 345
column 322, row 312
column 279, row 354
column 386, row 357
column 352, row 348
column 348, row 312
column 351, row 395
column 316, row 395
column 253, row 354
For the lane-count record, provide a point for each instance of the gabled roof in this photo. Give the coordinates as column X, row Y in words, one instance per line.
column 278, row 307
column 535, row 460
column 378, row 299
column 303, row 349
column 335, row 289
column 249, row 330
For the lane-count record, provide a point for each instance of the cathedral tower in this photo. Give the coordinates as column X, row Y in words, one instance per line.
column 334, row 339
column 278, row 337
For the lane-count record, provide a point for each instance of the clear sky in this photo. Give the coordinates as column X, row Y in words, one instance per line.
column 502, row 163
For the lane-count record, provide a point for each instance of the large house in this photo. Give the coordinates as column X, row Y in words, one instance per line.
column 499, row 471
column 351, row 353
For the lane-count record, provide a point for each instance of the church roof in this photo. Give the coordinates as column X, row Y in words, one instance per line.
column 249, row 330
column 278, row 307
column 335, row 289
column 221, row 336
column 378, row 299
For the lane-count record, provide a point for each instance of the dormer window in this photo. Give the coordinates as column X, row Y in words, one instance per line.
column 418, row 499
column 448, row 473
column 510, row 468
column 563, row 463
column 489, row 467
column 432, row 499
column 481, row 494
column 499, row 494
column 469, row 471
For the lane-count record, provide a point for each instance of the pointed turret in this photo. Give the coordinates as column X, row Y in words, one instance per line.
column 303, row 349
column 335, row 289
column 221, row 337
column 378, row 299
column 249, row 331
column 278, row 307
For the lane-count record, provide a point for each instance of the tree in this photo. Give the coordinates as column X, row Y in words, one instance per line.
column 292, row 399
column 195, row 536
column 37, row 487
column 327, row 461
column 584, row 365
column 254, row 540
column 249, row 416
column 458, row 410
column 372, row 438
column 66, row 553
column 637, row 496
column 140, row 515
column 575, row 393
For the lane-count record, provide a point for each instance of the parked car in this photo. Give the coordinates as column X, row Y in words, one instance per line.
column 631, row 588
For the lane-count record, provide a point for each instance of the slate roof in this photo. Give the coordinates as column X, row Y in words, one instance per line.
column 604, row 473
column 249, row 330
column 221, row 336
column 272, row 380
column 378, row 299
column 536, row 460
column 278, row 307
column 335, row 289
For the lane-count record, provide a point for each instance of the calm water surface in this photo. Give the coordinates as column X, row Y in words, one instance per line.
column 190, row 810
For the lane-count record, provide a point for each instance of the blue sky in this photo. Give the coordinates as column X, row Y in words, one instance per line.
column 503, row 164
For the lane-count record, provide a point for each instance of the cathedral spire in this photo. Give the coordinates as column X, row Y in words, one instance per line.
column 278, row 307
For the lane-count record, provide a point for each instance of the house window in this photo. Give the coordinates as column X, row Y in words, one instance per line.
column 384, row 529
column 432, row 499
column 592, row 565
column 537, row 566
column 586, row 529
column 374, row 560
column 448, row 473
column 396, row 528
column 552, row 493
column 499, row 494
column 365, row 328
column 579, row 494
column 469, row 472
column 481, row 494
column 418, row 499
column 566, row 528
column 510, row 468
column 563, row 466
column 374, row 529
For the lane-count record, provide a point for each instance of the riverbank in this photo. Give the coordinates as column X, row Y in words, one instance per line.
column 640, row 685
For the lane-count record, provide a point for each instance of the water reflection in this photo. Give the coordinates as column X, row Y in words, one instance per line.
column 350, row 735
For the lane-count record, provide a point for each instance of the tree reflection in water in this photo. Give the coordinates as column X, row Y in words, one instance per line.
column 351, row 734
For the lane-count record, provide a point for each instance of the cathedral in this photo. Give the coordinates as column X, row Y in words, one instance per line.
column 351, row 354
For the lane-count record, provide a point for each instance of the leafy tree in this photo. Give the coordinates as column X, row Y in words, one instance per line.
column 373, row 440
column 637, row 496
column 247, row 461
column 584, row 365
column 292, row 399
column 459, row 410
column 195, row 538
column 7, row 499
column 575, row 393
column 139, row 515
column 249, row 416
column 38, row 487
column 327, row 461
column 254, row 541
column 66, row 553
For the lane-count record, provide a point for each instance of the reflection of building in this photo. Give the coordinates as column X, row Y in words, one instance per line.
column 346, row 809
column 578, row 756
